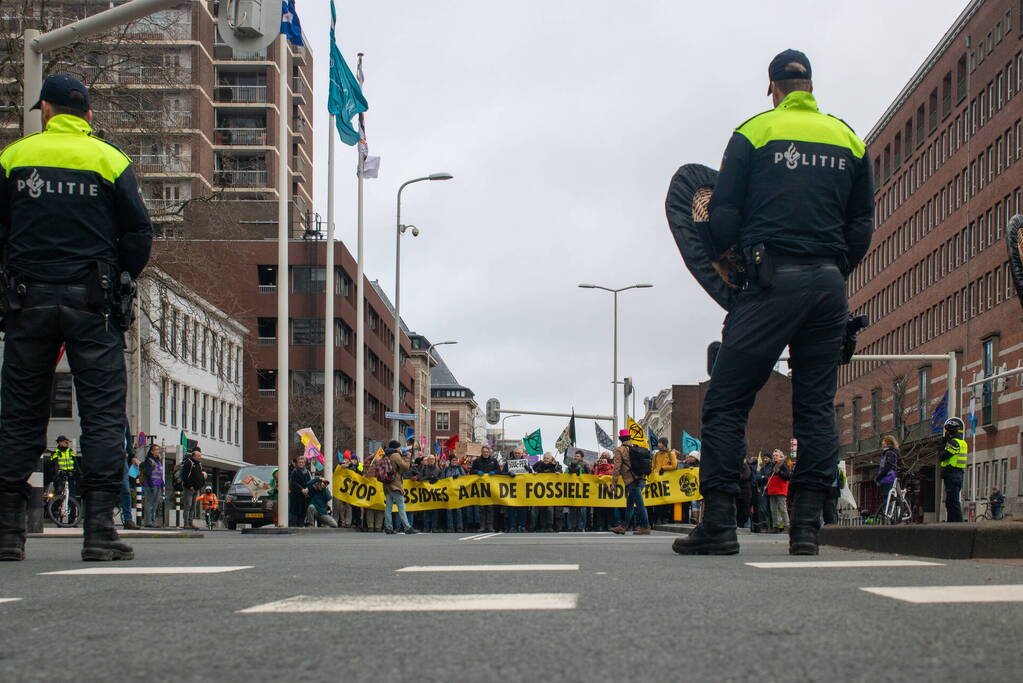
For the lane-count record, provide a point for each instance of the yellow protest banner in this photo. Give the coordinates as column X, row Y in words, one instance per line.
column 524, row 490
column 637, row 433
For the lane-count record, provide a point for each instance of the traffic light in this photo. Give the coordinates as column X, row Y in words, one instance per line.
column 628, row 386
column 493, row 410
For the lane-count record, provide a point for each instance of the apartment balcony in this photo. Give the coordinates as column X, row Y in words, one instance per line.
column 267, row 341
column 144, row 119
column 164, row 206
column 241, row 178
column 298, row 165
column 162, row 163
column 245, row 137
column 224, row 52
column 267, row 393
column 266, row 445
column 163, row 76
column 240, row 94
column 298, row 128
column 298, row 54
column 268, row 289
column 298, row 88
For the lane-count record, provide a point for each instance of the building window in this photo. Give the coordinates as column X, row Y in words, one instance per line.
column 163, row 401
column 266, row 434
column 174, row 404
column 164, row 313
column 923, row 379
column 174, row 332
column 987, row 389
column 308, row 279
column 213, row 416
column 60, row 395
column 307, row 382
column 307, row 331
column 184, row 408
column 205, row 344
column 237, row 425
column 220, row 422
column 237, row 364
column 856, row 419
column 230, row 419
column 202, row 423
column 195, row 404
column 342, row 334
column 342, row 283
column 443, row 422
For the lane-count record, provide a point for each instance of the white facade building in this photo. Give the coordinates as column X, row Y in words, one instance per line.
column 185, row 372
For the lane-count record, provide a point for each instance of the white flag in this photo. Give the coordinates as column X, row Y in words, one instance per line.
column 370, row 167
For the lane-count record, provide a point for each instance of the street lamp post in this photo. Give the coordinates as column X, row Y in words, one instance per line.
column 396, row 394
column 429, row 396
column 504, row 434
column 614, row 379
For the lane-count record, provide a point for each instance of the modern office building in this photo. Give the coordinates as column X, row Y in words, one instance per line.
column 947, row 171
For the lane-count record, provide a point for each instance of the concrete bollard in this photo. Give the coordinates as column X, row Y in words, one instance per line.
column 138, row 505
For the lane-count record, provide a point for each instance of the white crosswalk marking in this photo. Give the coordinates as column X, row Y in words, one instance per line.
column 950, row 594
column 117, row 571
column 493, row 568
column 480, row 537
column 301, row 604
column 841, row 564
column 9, row 599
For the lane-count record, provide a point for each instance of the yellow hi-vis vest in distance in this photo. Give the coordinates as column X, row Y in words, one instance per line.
column 956, row 454
column 65, row 459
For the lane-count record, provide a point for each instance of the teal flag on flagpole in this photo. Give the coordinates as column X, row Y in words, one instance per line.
column 344, row 97
column 689, row 443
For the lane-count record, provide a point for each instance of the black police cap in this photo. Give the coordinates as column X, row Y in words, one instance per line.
column 58, row 89
column 777, row 70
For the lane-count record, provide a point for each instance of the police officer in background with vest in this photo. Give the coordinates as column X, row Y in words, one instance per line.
column 953, row 467
column 72, row 220
column 64, row 463
column 795, row 197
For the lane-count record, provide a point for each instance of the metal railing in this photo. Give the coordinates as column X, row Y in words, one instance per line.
column 165, row 205
column 298, row 87
column 266, row 445
column 268, row 289
column 298, row 165
column 267, row 393
column 241, row 178
column 239, row 136
column 267, row 341
column 138, row 75
column 144, row 118
column 240, row 93
column 162, row 163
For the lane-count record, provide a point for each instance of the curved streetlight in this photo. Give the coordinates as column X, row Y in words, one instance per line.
column 614, row 381
column 507, row 417
column 396, row 393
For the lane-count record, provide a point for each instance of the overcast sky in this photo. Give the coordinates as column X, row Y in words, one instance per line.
column 563, row 123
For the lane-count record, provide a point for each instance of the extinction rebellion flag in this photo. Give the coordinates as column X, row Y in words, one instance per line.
column 533, row 444
column 602, row 438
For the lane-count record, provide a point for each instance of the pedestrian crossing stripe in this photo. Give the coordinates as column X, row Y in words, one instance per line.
column 9, row 599
column 487, row 602
column 922, row 595
column 119, row 571
column 842, row 564
column 493, row 568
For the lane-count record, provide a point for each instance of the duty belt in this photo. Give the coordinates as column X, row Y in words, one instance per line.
column 786, row 259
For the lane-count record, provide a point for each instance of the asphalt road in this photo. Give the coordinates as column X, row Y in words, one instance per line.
column 640, row 613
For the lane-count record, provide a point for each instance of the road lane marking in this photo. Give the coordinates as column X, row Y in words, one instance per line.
column 493, row 568
column 950, row 594
column 9, row 599
column 111, row 571
column 480, row 537
column 471, row 538
column 841, row 564
column 301, row 604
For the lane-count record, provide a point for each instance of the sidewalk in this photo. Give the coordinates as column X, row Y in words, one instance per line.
column 76, row 532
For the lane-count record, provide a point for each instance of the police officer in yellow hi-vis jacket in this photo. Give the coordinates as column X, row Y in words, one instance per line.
column 953, row 467
column 795, row 198
column 72, row 224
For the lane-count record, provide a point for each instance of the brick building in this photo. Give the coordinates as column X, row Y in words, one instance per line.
column 947, row 168
column 770, row 421
column 240, row 277
column 198, row 119
column 453, row 405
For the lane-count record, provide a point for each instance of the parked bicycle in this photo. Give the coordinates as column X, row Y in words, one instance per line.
column 60, row 507
column 895, row 508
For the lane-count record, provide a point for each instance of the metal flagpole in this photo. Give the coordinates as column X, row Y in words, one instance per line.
column 328, row 322
column 360, row 326
column 283, row 336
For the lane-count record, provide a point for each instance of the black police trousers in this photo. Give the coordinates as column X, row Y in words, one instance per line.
column 52, row 314
column 952, row 478
column 805, row 309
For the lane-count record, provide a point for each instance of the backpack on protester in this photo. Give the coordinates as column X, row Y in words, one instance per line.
column 178, row 478
column 382, row 470
column 640, row 460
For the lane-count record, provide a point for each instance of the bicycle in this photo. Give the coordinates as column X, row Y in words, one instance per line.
column 895, row 508
column 63, row 509
column 987, row 514
column 211, row 518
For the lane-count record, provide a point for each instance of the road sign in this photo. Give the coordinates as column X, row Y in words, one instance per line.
column 493, row 410
column 401, row 416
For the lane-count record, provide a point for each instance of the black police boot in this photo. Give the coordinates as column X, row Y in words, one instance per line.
column 715, row 535
column 13, row 523
column 807, row 507
column 102, row 543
